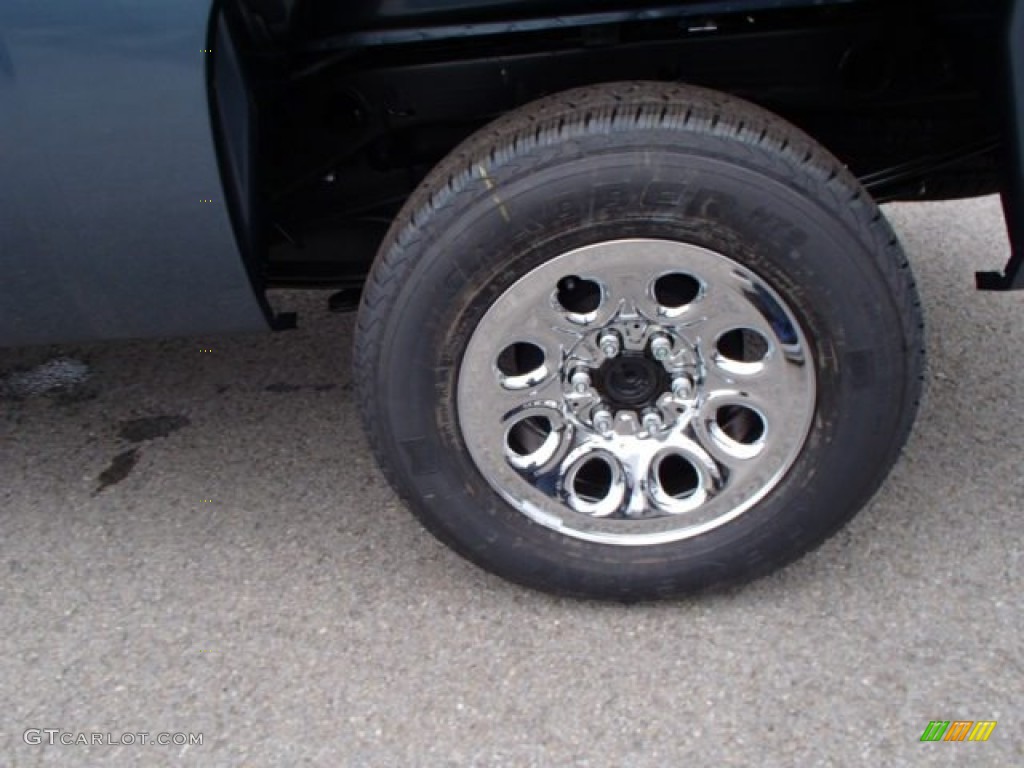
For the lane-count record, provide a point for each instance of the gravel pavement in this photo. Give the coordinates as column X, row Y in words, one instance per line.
column 195, row 539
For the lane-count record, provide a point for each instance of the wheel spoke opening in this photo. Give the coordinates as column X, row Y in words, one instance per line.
column 739, row 430
column 521, row 365
column 593, row 481
column 579, row 297
column 677, row 477
column 742, row 351
column 741, row 424
column 676, row 290
column 594, row 485
column 527, row 436
column 677, row 485
column 531, row 442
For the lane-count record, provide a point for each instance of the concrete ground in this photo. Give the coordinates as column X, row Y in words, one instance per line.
column 195, row 539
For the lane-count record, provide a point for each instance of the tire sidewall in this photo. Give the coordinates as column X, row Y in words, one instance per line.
column 511, row 217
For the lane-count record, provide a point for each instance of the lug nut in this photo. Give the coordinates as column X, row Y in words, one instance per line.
column 652, row 421
column 580, row 381
column 603, row 420
column 682, row 387
column 611, row 343
column 661, row 347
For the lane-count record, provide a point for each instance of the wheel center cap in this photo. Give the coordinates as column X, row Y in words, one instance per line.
column 632, row 380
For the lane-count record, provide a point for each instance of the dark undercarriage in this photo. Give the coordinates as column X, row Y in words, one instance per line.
column 356, row 101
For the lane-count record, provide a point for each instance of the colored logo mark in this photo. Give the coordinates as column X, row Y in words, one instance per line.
column 958, row 730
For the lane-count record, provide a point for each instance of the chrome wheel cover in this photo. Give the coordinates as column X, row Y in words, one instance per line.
column 636, row 392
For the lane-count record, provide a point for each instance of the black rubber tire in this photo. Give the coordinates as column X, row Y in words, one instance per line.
column 639, row 160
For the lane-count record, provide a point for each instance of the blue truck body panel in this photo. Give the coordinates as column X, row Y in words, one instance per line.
column 113, row 220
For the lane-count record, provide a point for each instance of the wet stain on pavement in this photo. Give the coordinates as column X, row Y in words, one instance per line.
column 151, row 427
column 61, row 376
column 120, row 467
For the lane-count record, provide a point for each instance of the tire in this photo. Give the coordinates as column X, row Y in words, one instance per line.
column 776, row 401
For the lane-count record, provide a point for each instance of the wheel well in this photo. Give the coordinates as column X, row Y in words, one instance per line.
column 352, row 115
